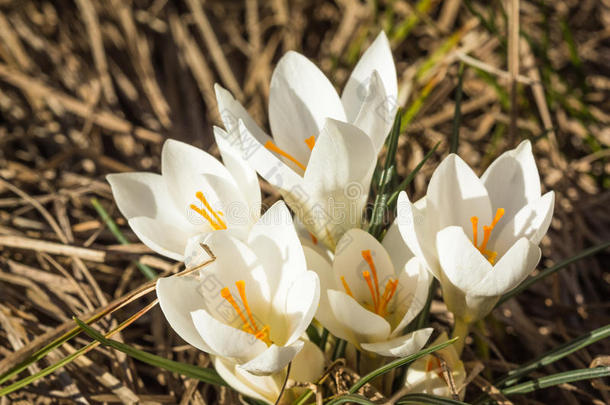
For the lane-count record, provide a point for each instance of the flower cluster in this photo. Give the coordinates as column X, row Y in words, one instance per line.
column 275, row 275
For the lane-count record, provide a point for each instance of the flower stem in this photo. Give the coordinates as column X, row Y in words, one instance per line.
column 460, row 329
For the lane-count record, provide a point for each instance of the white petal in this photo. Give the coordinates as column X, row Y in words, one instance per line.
column 396, row 246
column 225, row 340
column 323, row 269
column 183, row 165
column 178, row 297
column 308, row 365
column 512, row 268
column 272, row 360
column 376, row 113
column 512, row 180
column 377, row 57
column 264, row 388
column 277, row 246
column 301, row 304
column 364, row 325
column 231, row 112
column 165, row 239
column 242, row 173
column 337, row 180
column 531, row 221
column 350, row 263
column 141, row 194
column 455, row 194
column 462, row 263
column 270, row 167
column 400, row 346
column 411, row 294
column 300, row 99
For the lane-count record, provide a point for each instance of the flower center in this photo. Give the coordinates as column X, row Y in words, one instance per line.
column 380, row 301
column 206, row 211
column 489, row 254
column 249, row 324
column 311, row 142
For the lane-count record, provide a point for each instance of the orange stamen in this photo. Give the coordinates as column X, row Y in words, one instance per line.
column 366, row 255
column 274, row 148
column 475, row 229
column 388, row 293
column 216, row 222
column 313, row 238
column 346, row 287
column 369, row 282
column 241, row 288
column 226, row 294
column 311, row 142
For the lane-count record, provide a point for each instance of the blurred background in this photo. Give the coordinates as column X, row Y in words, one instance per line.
column 91, row 87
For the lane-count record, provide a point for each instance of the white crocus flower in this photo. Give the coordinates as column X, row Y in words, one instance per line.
column 324, row 147
column 479, row 237
column 306, row 367
column 252, row 304
column 194, row 194
column 371, row 292
column 428, row 376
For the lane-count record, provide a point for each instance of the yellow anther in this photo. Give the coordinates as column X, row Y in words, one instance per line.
column 311, row 142
column 249, row 325
column 226, row 294
column 241, row 288
column 388, row 293
column 274, row 148
column 475, row 229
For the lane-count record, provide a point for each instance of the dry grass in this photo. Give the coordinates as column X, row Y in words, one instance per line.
column 94, row 87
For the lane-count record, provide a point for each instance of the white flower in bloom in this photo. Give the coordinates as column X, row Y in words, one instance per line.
column 427, row 374
column 194, row 194
column 479, row 237
column 253, row 303
column 324, row 147
column 306, row 367
column 371, row 292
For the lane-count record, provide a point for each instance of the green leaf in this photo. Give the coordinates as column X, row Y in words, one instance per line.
column 532, row 280
column 397, row 363
column 207, row 375
column 556, row 379
column 381, row 199
column 427, row 399
column 553, row 355
column 457, row 115
column 351, row 398
column 410, row 177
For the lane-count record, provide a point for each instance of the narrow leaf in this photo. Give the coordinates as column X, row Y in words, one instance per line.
column 556, row 379
column 397, row 363
column 427, row 399
column 351, row 398
column 207, row 375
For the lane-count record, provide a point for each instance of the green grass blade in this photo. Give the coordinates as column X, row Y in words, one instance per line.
column 555, row 354
column 381, row 199
column 556, row 379
column 403, row 185
column 532, row 280
column 427, row 399
column 207, row 375
column 457, row 115
column 112, row 226
column 350, row 398
column 397, row 363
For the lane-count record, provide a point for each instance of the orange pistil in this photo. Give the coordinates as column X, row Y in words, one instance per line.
column 249, row 325
column 346, row 287
column 434, row 364
column 490, row 254
column 274, row 148
column 313, row 238
column 214, row 219
column 380, row 301
column 311, row 142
